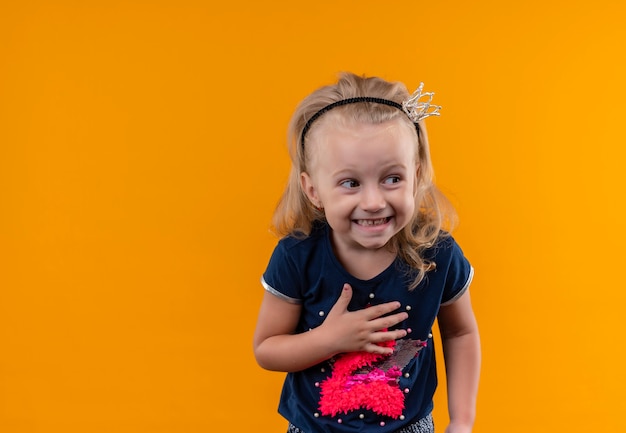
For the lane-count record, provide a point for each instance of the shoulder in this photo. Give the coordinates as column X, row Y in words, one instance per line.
column 302, row 241
column 444, row 248
column 298, row 250
column 295, row 261
column 452, row 266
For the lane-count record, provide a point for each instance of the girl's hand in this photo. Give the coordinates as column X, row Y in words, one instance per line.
column 277, row 346
column 352, row 331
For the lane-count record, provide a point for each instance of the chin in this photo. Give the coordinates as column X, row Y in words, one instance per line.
column 374, row 245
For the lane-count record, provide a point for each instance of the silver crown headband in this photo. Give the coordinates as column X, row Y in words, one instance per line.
column 417, row 107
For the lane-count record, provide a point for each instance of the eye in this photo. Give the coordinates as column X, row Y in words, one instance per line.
column 392, row 179
column 350, row 183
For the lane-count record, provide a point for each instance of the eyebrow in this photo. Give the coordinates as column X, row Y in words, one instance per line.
column 387, row 167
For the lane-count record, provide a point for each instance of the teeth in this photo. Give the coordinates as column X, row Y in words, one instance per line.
column 372, row 222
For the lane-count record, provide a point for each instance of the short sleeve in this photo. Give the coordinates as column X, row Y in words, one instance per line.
column 281, row 277
column 459, row 273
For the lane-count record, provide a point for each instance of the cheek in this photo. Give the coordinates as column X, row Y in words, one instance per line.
column 409, row 201
column 326, row 194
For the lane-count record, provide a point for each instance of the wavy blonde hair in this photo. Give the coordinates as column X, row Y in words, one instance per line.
column 434, row 216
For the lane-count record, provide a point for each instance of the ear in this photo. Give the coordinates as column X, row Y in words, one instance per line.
column 309, row 189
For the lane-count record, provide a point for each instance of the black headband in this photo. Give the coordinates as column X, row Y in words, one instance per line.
column 313, row 118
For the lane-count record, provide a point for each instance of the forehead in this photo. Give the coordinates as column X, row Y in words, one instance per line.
column 345, row 141
column 334, row 125
column 343, row 117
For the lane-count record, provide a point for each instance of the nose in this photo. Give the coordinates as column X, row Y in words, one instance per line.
column 372, row 199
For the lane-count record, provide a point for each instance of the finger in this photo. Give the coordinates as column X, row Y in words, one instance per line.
column 383, row 336
column 388, row 321
column 381, row 309
column 344, row 298
column 375, row 348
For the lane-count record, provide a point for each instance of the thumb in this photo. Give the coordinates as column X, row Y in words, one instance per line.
column 344, row 298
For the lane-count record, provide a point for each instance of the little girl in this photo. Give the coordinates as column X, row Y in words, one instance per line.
column 363, row 269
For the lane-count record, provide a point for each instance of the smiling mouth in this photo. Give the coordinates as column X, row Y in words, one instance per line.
column 375, row 222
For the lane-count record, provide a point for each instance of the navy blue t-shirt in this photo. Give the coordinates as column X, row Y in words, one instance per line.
column 306, row 271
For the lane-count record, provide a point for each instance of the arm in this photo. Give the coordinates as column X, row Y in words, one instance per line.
column 461, row 349
column 277, row 347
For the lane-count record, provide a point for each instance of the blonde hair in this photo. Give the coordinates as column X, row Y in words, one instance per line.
column 434, row 216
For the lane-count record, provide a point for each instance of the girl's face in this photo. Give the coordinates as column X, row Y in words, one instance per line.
column 364, row 176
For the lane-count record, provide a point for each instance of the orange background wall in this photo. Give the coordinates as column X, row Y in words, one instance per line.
column 142, row 153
